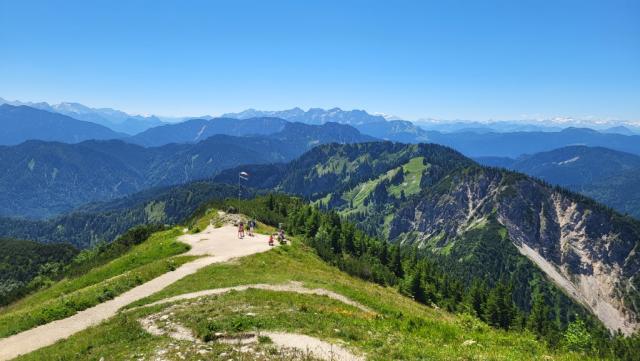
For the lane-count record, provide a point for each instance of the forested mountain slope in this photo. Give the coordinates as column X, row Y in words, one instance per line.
column 102, row 222
column 434, row 197
column 554, row 254
column 43, row 179
column 22, row 261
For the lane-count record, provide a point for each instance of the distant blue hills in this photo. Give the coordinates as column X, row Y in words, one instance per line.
column 54, row 162
column 502, row 139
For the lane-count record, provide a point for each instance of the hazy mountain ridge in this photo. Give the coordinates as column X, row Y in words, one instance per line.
column 22, row 123
column 524, row 125
column 371, row 124
column 608, row 176
column 116, row 120
column 473, row 139
column 516, row 144
column 313, row 116
column 195, row 130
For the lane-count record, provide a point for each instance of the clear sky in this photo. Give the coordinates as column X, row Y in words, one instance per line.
column 445, row 59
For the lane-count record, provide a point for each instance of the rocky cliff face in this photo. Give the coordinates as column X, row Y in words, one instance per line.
column 587, row 250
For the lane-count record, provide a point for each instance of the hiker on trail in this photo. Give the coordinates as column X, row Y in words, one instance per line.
column 241, row 230
column 271, row 239
column 252, row 226
column 281, row 239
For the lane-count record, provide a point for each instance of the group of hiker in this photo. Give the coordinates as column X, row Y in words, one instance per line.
column 279, row 235
column 251, row 225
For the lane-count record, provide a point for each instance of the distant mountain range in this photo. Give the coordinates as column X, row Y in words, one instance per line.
column 195, row 130
column 608, row 176
column 113, row 119
column 515, row 144
column 507, row 139
column 42, row 179
column 21, row 123
column 375, row 125
column 520, row 126
column 24, row 123
column 132, row 124
column 313, row 116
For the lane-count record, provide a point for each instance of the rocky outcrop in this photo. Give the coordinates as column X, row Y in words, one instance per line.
column 586, row 249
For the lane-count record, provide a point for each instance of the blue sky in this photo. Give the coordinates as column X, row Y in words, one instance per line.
column 446, row 59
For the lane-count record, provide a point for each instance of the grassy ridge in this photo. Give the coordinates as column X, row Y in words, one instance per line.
column 142, row 263
column 403, row 329
column 400, row 328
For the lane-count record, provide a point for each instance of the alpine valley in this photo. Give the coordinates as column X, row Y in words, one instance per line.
column 440, row 248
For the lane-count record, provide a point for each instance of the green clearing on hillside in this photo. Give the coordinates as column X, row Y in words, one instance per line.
column 412, row 175
column 413, row 171
column 65, row 298
column 358, row 194
column 402, row 330
column 337, row 165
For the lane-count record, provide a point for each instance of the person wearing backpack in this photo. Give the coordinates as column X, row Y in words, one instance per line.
column 252, row 226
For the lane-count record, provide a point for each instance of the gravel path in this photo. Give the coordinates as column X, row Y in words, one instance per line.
column 284, row 340
column 215, row 244
column 314, row 346
column 307, row 344
column 292, row 286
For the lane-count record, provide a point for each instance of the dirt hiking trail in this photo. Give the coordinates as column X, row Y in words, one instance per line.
column 292, row 286
column 215, row 244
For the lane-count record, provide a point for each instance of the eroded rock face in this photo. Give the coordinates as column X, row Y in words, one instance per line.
column 589, row 251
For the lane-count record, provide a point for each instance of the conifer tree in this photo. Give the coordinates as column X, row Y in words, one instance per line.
column 538, row 320
column 396, row 262
column 416, row 288
column 348, row 238
column 271, row 202
column 577, row 337
column 312, row 223
column 498, row 310
column 384, row 253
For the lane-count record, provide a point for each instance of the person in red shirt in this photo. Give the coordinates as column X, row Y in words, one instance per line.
column 241, row 230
